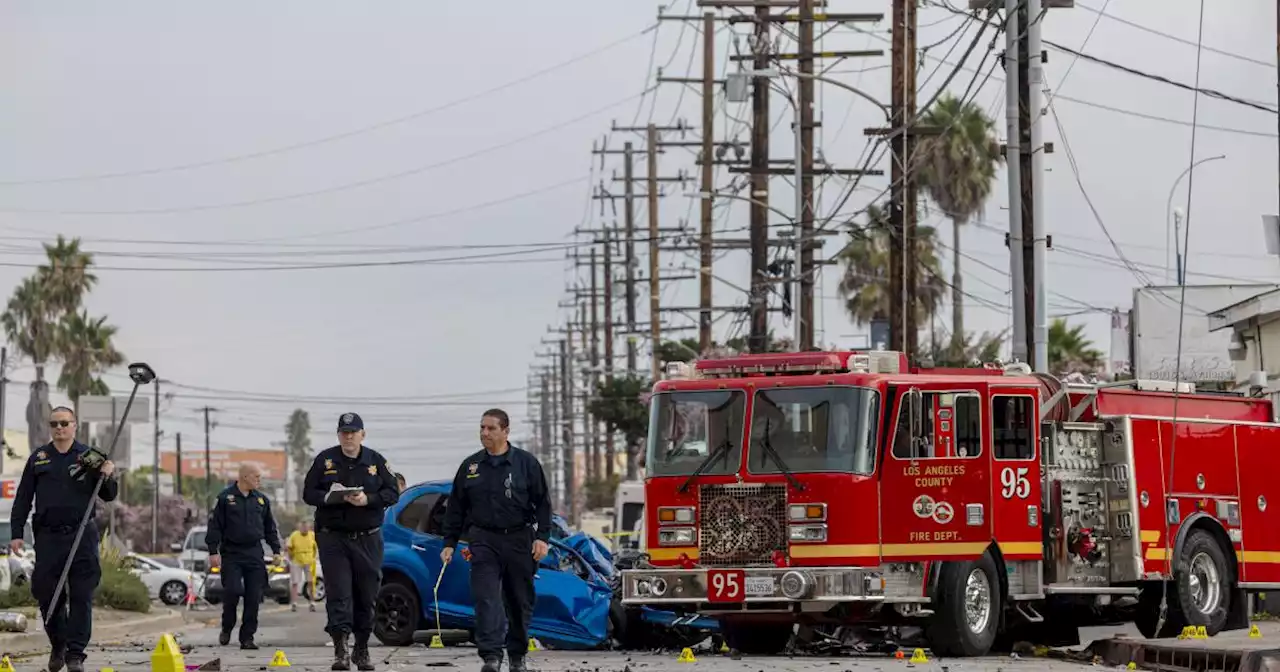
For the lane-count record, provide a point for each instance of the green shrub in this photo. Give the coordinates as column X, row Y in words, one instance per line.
column 119, row 588
column 17, row 596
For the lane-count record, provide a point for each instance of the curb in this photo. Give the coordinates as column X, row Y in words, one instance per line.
column 36, row 641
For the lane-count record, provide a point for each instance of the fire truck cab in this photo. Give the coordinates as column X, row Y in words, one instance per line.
column 844, row 487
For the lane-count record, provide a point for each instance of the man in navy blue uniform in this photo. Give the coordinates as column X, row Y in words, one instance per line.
column 240, row 521
column 501, row 492
column 62, row 489
column 349, row 535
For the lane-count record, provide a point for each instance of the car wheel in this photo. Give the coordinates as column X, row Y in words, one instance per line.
column 319, row 593
column 173, row 592
column 396, row 613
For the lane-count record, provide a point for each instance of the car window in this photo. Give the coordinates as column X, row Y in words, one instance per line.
column 415, row 514
column 435, row 520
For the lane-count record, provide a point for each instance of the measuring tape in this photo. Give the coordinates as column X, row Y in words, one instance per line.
column 435, row 593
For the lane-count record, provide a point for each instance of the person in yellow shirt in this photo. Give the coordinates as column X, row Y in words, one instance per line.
column 302, row 563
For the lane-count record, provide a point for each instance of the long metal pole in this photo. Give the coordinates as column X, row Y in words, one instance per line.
column 708, row 177
column 1035, row 76
column 1013, row 161
column 155, row 477
column 655, row 292
column 798, row 268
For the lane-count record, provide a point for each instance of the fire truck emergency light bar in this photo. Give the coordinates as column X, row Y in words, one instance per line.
column 773, row 363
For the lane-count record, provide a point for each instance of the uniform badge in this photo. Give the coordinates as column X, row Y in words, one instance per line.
column 347, row 418
column 474, row 466
column 328, row 463
column 373, row 470
column 260, row 501
column 41, row 455
column 231, row 499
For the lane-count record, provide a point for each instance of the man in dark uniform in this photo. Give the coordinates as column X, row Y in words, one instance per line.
column 349, row 536
column 240, row 521
column 62, row 493
column 501, row 492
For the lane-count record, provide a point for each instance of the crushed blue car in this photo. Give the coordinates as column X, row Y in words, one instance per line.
column 578, row 604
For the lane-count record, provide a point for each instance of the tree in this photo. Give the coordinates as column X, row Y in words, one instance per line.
column 1070, row 351
column 958, row 172
column 86, row 347
column 983, row 349
column 298, row 442
column 622, row 404
column 865, row 283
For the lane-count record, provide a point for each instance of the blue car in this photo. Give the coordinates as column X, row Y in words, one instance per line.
column 578, row 603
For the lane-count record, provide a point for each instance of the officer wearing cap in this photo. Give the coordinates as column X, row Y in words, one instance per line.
column 240, row 521
column 62, row 490
column 501, row 492
column 349, row 535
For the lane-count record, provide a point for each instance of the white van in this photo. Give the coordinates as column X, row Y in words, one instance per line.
column 628, row 516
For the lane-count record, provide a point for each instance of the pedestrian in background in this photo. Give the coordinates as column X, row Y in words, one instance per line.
column 302, row 564
column 349, row 536
column 401, row 484
column 54, row 476
column 502, row 492
column 240, row 521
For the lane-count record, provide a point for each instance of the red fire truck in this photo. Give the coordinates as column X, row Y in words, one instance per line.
column 826, row 488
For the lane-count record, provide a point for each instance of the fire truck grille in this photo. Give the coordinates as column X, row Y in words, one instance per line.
column 741, row 525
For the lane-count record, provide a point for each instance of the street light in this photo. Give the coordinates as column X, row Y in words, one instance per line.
column 1168, row 214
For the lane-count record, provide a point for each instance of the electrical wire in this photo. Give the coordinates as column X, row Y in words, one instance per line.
column 416, row 170
column 1175, row 38
column 412, row 116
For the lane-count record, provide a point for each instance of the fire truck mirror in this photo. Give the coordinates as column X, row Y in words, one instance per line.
column 915, row 411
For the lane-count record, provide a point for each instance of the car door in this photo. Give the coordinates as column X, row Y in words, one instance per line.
column 455, row 586
column 145, row 572
column 571, row 600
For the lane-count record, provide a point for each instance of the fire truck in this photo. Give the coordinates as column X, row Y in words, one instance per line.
column 846, row 488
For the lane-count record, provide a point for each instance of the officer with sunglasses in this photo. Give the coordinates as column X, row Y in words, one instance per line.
column 62, row 488
column 502, row 492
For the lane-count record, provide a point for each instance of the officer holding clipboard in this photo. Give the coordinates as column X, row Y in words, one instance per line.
column 351, row 485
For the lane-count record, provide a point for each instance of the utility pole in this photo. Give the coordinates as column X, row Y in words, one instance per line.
column 587, row 334
column 655, row 334
column 1013, row 158
column 594, row 380
column 609, row 447
column 630, row 233
column 544, row 419
column 1031, row 59
column 566, row 417
column 155, row 476
column 902, row 210
column 4, row 380
column 804, row 161
column 208, row 459
column 177, row 479
column 759, row 223
column 708, row 178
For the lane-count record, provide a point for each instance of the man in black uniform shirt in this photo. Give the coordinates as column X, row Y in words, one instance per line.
column 502, row 492
column 61, row 498
column 349, row 536
column 241, row 519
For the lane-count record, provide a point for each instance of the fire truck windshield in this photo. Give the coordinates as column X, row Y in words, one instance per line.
column 813, row 429
column 686, row 427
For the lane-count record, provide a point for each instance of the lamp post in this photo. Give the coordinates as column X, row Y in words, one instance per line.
column 1168, row 215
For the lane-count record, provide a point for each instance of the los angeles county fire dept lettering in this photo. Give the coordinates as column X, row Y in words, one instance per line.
column 939, row 476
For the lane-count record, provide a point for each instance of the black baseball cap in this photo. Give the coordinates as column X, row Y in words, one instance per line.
column 350, row 422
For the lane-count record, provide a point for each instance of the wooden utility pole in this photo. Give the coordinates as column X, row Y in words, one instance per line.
column 208, row 457
column 4, row 380
column 629, row 232
column 655, row 333
column 566, row 406
column 593, row 468
column 804, row 267
column 177, row 478
column 758, row 334
column 609, row 448
column 708, row 178
column 903, row 330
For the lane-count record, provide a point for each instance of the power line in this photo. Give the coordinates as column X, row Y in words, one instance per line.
column 1147, row 29
column 339, row 136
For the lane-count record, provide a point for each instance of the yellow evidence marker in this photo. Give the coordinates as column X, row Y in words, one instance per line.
column 167, row 657
column 686, row 656
column 279, row 660
column 919, row 657
column 1254, row 632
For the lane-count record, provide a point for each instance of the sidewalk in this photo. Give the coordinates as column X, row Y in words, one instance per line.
column 108, row 625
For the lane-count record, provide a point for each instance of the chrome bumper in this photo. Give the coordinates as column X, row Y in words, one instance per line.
column 762, row 585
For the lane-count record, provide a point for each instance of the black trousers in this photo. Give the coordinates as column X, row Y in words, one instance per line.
column 502, row 569
column 244, row 574
column 72, row 623
column 352, row 576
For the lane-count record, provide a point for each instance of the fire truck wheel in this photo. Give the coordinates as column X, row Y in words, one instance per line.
column 1203, row 579
column 967, row 608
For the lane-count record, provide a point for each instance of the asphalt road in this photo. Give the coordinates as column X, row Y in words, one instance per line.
column 302, row 638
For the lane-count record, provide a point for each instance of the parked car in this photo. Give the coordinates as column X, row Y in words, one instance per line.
column 168, row 584
column 277, row 581
column 578, row 604
column 193, row 554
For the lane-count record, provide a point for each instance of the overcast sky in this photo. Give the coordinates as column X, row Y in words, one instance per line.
column 211, row 146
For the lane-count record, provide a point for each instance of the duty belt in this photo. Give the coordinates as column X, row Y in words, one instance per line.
column 349, row 534
column 502, row 530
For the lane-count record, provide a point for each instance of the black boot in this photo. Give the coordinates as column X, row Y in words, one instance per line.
column 224, row 637
column 491, row 665
column 360, row 655
column 516, row 663
column 341, row 657
column 57, row 658
column 75, row 664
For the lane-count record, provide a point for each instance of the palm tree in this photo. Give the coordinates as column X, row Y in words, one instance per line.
column 1070, row 351
column 66, row 274
column 86, row 347
column 983, row 349
column 865, row 283
column 959, row 168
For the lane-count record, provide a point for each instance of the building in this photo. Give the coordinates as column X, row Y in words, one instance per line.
column 1253, row 326
column 225, row 465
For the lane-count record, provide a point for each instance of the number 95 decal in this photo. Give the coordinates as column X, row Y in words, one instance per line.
column 1014, row 483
